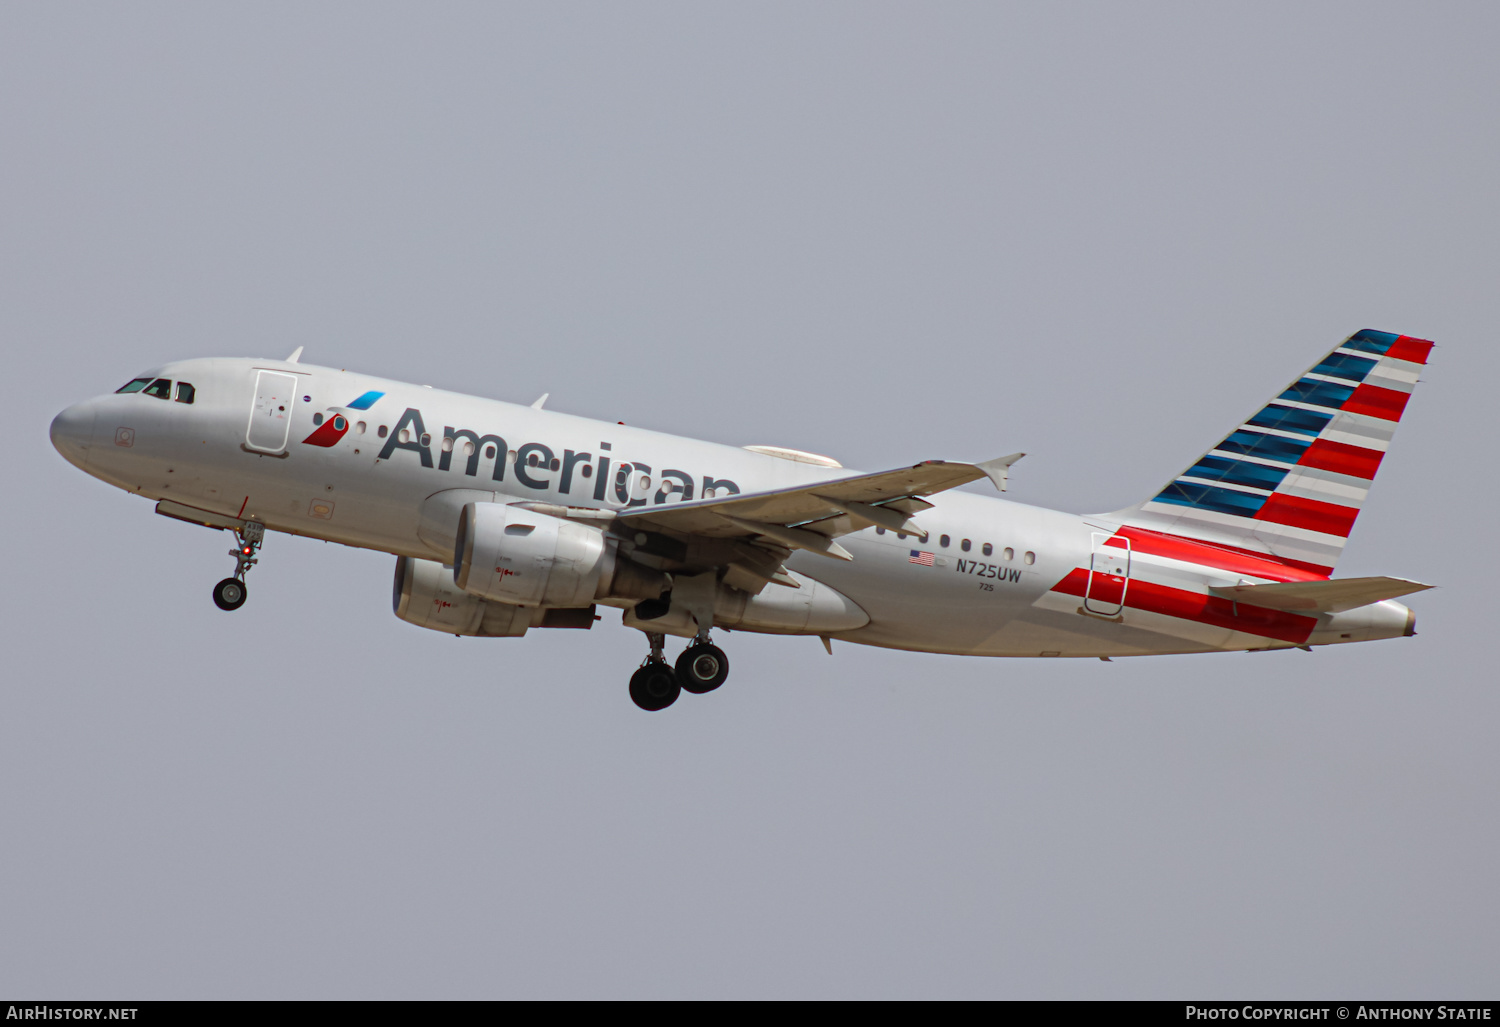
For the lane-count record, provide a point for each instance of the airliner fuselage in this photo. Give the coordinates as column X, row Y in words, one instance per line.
column 254, row 445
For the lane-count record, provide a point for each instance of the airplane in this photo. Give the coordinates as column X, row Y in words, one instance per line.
column 504, row 518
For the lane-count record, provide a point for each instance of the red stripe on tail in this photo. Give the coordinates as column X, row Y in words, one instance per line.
column 1221, row 557
column 1377, row 402
column 1342, row 458
column 1407, row 348
column 1308, row 513
column 1150, row 597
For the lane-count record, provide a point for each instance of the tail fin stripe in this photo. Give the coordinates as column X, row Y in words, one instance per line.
column 1362, row 430
column 1387, row 404
column 1225, row 558
column 1316, row 393
column 1327, row 487
column 1209, row 497
column 1269, row 447
column 1396, row 374
column 1371, row 341
column 1346, row 366
column 1303, row 422
column 1309, row 514
column 1342, row 458
column 1407, row 348
column 1237, row 472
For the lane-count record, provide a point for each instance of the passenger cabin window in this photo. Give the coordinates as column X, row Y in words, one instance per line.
column 943, row 541
column 134, row 385
column 1010, row 554
column 880, row 531
column 1031, row 558
column 185, row 392
column 966, row 545
column 161, row 389
column 988, row 549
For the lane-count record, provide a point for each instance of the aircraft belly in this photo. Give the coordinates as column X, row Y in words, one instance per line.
column 913, row 606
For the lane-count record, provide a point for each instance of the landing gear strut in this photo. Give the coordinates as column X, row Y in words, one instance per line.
column 654, row 687
column 229, row 594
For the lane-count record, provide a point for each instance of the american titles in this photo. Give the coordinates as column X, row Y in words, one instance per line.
column 538, row 466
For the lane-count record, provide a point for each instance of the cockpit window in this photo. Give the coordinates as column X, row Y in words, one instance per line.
column 185, row 392
column 134, row 385
column 161, row 389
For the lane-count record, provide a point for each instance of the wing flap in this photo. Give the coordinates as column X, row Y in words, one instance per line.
column 1319, row 596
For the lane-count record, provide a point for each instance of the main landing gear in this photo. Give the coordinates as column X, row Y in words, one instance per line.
column 229, row 594
column 702, row 667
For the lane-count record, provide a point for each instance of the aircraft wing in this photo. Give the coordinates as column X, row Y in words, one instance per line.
column 811, row 516
column 1333, row 596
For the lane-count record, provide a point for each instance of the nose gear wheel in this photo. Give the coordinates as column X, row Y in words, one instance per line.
column 229, row 594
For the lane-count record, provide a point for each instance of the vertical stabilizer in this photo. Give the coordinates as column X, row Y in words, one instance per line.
column 1291, row 480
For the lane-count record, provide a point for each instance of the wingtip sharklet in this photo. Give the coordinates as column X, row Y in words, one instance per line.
column 997, row 470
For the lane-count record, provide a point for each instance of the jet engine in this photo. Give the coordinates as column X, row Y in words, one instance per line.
column 512, row 555
column 426, row 596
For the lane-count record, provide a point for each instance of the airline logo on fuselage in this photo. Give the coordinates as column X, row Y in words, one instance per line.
column 334, row 428
column 537, row 466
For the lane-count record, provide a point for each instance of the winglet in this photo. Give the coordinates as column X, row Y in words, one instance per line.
column 998, row 468
column 540, row 400
column 296, row 355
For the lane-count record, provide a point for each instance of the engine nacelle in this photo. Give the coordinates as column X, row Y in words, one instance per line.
column 426, row 596
column 509, row 554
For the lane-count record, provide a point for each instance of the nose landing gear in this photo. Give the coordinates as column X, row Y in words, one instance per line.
column 229, row 594
column 701, row 668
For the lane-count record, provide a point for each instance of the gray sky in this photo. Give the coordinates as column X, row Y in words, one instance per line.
column 1100, row 233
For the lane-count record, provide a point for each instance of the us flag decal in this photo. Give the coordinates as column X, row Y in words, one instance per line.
column 917, row 556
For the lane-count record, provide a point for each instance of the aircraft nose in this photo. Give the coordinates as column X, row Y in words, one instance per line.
column 73, row 433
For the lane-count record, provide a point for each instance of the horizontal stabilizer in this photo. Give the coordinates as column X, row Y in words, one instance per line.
column 1319, row 596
